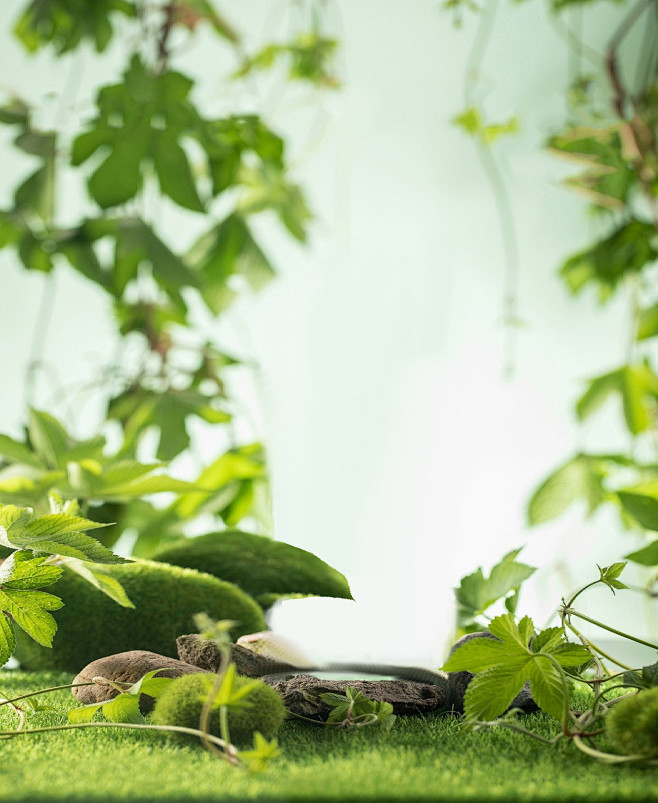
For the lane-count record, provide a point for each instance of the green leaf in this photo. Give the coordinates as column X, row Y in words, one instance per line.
column 16, row 452
column 84, row 714
column 22, row 571
column 258, row 759
column 490, row 693
column 546, row 685
column 579, row 478
column 150, row 684
column 48, row 437
column 7, row 639
column 648, row 556
column 607, row 178
column 123, row 708
column 477, row 593
column 29, row 610
column 174, row 173
column 476, row 655
column 636, row 385
column 100, row 579
column 59, row 534
column 610, row 574
column 228, row 249
column 626, row 251
column 641, row 502
column 647, row 325
column 228, row 694
column 567, row 654
column 64, row 24
column 647, row 678
column 118, row 178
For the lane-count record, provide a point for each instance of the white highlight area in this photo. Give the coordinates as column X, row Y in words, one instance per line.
column 377, row 626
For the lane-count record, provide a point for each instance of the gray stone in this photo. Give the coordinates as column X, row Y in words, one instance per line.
column 205, row 654
column 127, row 667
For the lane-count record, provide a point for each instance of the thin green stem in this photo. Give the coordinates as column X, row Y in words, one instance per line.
column 137, row 726
column 46, row 691
column 592, row 646
column 571, row 612
column 576, row 595
column 610, row 758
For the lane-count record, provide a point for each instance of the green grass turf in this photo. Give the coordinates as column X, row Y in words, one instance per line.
column 422, row 758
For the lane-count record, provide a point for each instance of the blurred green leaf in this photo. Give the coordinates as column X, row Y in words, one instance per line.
column 636, row 385
column 226, row 250
column 581, row 477
column 626, row 250
column 67, row 23
column 608, row 178
column 647, row 556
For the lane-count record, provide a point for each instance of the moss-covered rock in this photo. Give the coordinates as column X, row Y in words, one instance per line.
column 182, row 701
column 91, row 625
column 264, row 568
column 633, row 724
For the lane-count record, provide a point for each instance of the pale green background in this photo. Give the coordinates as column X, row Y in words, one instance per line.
column 398, row 453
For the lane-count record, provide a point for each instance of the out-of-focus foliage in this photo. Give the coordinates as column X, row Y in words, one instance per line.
column 148, row 143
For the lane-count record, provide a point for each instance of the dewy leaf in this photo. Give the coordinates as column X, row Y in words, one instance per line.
column 648, row 556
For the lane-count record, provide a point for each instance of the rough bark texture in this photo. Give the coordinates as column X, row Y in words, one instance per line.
column 127, row 667
column 301, row 694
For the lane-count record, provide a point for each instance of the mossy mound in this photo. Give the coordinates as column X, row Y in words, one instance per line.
column 182, row 701
column 264, row 568
column 633, row 724
column 166, row 598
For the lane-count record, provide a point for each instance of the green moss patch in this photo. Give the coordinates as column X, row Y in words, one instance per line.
column 182, row 701
column 166, row 598
column 421, row 758
column 262, row 567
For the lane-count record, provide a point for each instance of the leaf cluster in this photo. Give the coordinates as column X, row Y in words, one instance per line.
column 353, row 710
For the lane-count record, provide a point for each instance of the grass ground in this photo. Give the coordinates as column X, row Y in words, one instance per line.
column 422, row 758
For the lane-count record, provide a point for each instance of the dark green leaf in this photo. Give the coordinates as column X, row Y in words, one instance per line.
column 174, row 172
column 626, row 250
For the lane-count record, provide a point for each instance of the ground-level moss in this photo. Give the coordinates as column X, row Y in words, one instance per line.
column 424, row 758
